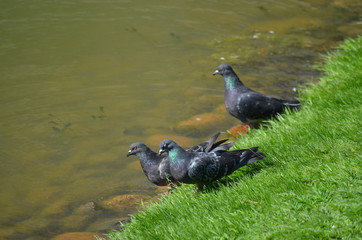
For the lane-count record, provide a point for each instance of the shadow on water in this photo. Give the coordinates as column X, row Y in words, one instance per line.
column 81, row 81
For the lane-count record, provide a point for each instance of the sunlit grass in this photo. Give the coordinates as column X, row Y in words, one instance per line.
column 309, row 186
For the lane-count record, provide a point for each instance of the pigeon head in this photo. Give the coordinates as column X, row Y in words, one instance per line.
column 223, row 69
column 136, row 148
column 166, row 146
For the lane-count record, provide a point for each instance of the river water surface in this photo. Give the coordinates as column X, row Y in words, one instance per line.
column 82, row 80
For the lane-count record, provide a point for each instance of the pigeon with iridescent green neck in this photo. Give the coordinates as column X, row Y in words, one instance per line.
column 247, row 105
column 157, row 167
column 201, row 168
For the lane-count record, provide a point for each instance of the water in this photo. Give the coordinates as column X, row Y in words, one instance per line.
column 81, row 80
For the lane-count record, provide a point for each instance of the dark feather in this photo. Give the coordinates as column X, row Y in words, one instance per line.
column 205, row 167
column 247, row 105
column 157, row 167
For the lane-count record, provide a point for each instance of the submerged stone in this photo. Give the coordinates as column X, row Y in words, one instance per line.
column 86, row 208
column 200, row 124
column 79, row 217
column 108, row 224
column 74, row 222
column 33, row 224
column 238, row 130
column 55, row 208
column 122, row 202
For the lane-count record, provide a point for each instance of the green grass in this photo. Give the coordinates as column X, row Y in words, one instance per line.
column 309, row 186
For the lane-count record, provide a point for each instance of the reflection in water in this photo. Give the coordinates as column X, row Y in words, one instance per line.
column 82, row 80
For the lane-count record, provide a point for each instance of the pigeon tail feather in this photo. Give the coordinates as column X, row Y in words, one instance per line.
column 292, row 105
column 248, row 156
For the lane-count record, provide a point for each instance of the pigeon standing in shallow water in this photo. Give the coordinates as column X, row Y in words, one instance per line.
column 201, row 168
column 157, row 167
column 247, row 105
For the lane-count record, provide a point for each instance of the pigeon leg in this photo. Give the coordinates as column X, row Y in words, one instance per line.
column 255, row 125
column 199, row 187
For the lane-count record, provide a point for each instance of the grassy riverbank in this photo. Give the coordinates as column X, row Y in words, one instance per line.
column 309, row 186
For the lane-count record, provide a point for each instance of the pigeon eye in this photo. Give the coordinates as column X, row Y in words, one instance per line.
column 222, row 69
column 164, row 145
column 134, row 148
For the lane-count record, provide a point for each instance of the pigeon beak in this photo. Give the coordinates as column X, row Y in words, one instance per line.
column 216, row 72
column 160, row 152
column 129, row 153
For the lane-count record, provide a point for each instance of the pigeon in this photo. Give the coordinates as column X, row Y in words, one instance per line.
column 247, row 105
column 157, row 167
column 202, row 168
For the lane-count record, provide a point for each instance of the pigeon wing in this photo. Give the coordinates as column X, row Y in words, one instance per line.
column 253, row 106
column 204, row 167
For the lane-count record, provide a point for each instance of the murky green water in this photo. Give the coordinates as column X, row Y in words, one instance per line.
column 81, row 80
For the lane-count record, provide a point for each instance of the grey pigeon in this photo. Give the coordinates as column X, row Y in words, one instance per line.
column 157, row 167
column 201, row 168
column 247, row 105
